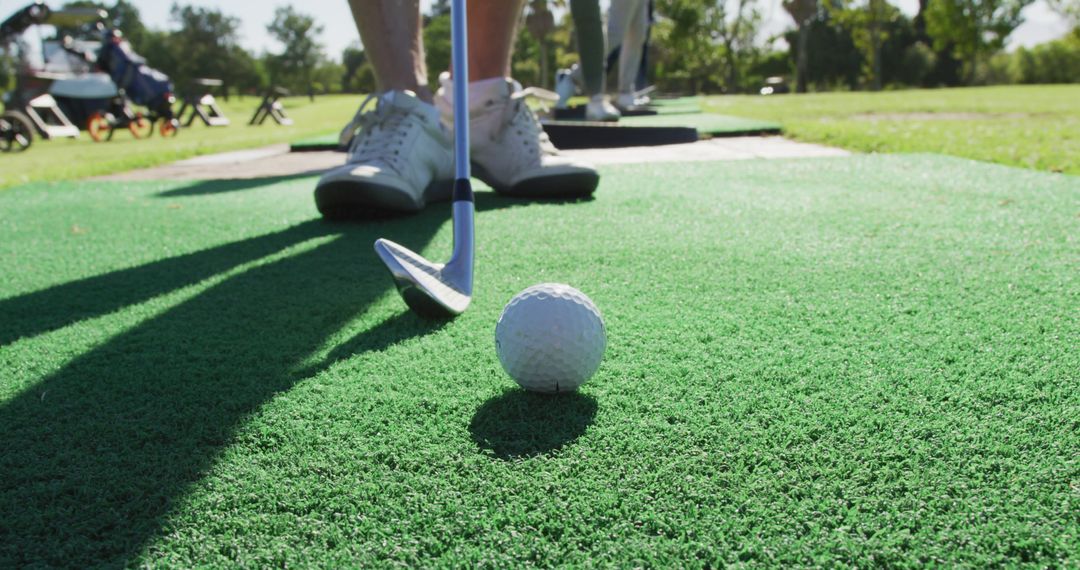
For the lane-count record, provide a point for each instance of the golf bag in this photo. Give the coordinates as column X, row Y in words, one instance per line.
column 141, row 83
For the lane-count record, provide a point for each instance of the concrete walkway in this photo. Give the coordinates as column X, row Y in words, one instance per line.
column 278, row 161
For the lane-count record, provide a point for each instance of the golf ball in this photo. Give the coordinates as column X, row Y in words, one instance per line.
column 550, row 338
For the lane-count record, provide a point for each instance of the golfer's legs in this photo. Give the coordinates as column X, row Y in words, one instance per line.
column 491, row 37
column 390, row 32
column 590, row 36
column 637, row 26
column 618, row 18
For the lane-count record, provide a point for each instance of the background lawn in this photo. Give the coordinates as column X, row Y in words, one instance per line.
column 67, row 159
column 867, row 361
column 1034, row 126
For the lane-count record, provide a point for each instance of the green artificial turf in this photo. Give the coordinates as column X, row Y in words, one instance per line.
column 677, row 105
column 867, row 361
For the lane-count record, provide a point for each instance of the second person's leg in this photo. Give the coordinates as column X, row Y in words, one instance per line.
column 590, row 35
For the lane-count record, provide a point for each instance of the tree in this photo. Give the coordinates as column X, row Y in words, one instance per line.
column 540, row 22
column 123, row 16
column 1070, row 10
column 869, row 22
column 736, row 32
column 437, row 42
column 357, row 75
column 440, row 8
column 204, row 45
column 832, row 60
column 973, row 28
column 688, row 50
column 803, row 12
column 7, row 70
column 295, row 66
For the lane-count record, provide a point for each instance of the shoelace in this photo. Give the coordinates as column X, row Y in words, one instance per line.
column 349, row 132
column 517, row 115
column 376, row 136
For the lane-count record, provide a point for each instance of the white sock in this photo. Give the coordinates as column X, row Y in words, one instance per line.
column 480, row 92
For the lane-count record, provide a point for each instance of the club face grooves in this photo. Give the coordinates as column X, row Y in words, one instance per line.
column 432, row 290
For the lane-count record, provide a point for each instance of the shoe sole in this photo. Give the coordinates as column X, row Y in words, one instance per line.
column 350, row 200
column 569, row 185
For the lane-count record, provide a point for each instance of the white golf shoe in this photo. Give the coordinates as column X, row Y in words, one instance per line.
column 510, row 150
column 400, row 158
column 564, row 87
column 599, row 108
column 631, row 102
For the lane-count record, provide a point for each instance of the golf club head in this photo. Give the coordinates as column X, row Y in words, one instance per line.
column 431, row 290
column 435, row 290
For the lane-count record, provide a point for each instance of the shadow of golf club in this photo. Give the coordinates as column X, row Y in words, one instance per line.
column 55, row 307
column 97, row 454
column 520, row 424
column 222, row 186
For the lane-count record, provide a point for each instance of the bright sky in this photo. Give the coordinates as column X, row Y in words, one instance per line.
column 339, row 31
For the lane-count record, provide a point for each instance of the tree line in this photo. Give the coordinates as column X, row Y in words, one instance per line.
column 706, row 46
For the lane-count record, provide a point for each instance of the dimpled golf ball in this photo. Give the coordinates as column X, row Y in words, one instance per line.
column 550, row 338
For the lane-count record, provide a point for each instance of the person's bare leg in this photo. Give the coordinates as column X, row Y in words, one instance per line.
column 390, row 31
column 492, row 24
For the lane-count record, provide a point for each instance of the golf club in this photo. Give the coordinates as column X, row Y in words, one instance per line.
column 438, row 290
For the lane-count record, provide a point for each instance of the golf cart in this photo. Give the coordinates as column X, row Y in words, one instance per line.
column 89, row 78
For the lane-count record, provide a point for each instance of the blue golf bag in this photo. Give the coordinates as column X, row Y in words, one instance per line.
column 141, row 83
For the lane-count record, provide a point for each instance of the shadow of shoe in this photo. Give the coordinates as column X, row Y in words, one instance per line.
column 519, row 424
column 494, row 201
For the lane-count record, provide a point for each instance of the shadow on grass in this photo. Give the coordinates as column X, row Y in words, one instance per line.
column 97, row 453
column 59, row 306
column 518, row 424
column 206, row 187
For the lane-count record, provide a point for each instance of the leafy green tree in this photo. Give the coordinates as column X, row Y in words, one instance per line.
column 123, row 16
column 734, row 27
column 7, row 71
column 437, row 42
column 326, row 77
column 205, row 44
column 295, row 65
column 804, row 12
column 870, row 22
column 1057, row 61
column 440, row 8
column 831, row 59
column 357, row 75
column 688, row 52
column 540, row 22
column 973, row 29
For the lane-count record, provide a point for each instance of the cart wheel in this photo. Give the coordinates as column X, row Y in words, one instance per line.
column 98, row 126
column 141, row 127
column 169, row 127
column 16, row 132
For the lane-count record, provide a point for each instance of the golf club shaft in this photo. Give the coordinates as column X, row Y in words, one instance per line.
column 463, row 209
column 460, row 45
